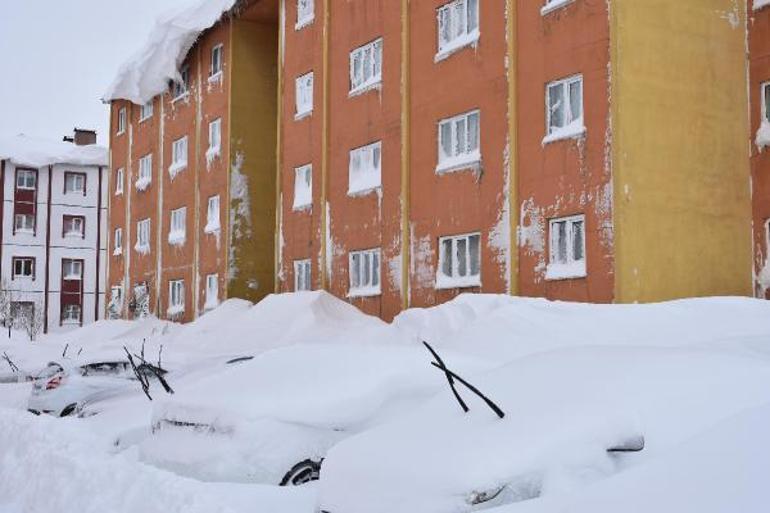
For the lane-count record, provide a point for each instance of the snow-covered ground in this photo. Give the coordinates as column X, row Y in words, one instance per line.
column 260, row 387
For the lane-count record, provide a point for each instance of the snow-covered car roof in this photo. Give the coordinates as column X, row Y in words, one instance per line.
column 23, row 150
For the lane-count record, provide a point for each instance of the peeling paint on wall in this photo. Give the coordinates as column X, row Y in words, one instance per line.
column 240, row 211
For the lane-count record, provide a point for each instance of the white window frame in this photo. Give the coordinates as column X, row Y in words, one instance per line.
column 143, row 234
column 217, row 62
column 116, row 296
column 117, row 242
column 305, row 13
column 465, row 147
column 146, row 111
column 119, row 177
column 23, row 180
column 568, row 267
column 456, row 279
column 122, row 118
column 71, row 314
column 365, row 169
column 182, row 89
column 303, row 187
column 574, row 126
column 179, row 151
column 176, row 298
column 370, row 262
column 212, row 292
column 24, row 227
column 74, row 221
column 144, row 178
column 303, row 275
column 23, row 261
column 177, row 226
column 366, row 74
column 215, row 139
column 213, row 223
column 75, row 269
column 74, row 183
column 303, row 88
column 457, row 25
column 764, row 101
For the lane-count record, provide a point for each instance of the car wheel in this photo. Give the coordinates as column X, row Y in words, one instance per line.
column 68, row 410
column 302, row 473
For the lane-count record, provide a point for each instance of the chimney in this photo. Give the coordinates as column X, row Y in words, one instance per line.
column 82, row 137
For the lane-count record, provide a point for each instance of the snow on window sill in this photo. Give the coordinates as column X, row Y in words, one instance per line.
column 71, row 277
column 117, row 252
column 142, row 120
column 362, row 189
column 211, row 228
column 301, row 204
column 175, row 310
column 176, row 238
column 119, row 193
column 304, row 22
column 142, row 250
column 210, row 305
column 73, row 235
column 120, row 132
column 175, row 168
column 553, row 6
column 451, row 282
column 759, row 4
column 302, row 115
column 763, row 134
column 460, row 162
column 216, row 77
column 22, row 277
column 24, row 231
column 184, row 96
column 568, row 271
column 366, row 87
column 364, row 292
column 212, row 153
column 70, row 322
column 572, row 131
column 142, row 183
column 457, row 44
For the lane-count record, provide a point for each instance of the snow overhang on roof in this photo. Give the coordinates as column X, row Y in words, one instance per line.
column 33, row 152
column 147, row 73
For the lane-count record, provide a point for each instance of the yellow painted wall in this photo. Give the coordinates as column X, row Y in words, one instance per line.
column 252, row 150
column 680, row 132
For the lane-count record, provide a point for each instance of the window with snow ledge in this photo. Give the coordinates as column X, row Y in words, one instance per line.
column 305, row 13
column 177, row 233
column 366, row 67
column 116, row 301
column 24, row 223
column 364, row 269
column 178, row 156
column 303, row 187
column 145, row 173
column 119, row 177
column 118, row 242
column 181, row 88
column 143, row 237
column 759, row 4
column 71, row 315
column 304, row 96
column 72, row 270
column 302, row 270
column 212, row 292
column 552, row 5
column 217, row 59
column 763, row 134
column 564, row 109
column 74, row 226
column 215, row 140
column 364, row 171
column 458, row 142
column 459, row 261
column 212, row 215
column 74, row 183
column 145, row 111
column 458, row 27
column 175, row 298
column 121, row 121
column 567, row 251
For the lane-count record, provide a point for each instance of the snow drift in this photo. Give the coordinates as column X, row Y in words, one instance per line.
column 31, row 151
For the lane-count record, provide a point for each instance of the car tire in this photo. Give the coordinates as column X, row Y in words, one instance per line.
column 302, row 473
column 68, row 410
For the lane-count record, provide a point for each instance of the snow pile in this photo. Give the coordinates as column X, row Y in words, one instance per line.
column 31, row 151
column 148, row 72
column 764, row 277
column 763, row 134
column 758, row 4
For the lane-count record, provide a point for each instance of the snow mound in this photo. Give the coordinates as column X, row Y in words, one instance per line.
column 148, row 72
column 31, row 151
column 763, row 134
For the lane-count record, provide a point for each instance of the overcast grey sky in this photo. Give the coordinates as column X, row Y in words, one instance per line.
column 59, row 56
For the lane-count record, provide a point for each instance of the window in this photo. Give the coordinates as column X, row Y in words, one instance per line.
column 23, row 267
column 143, row 236
column 145, row 173
column 217, row 54
column 459, row 261
column 178, row 156
column 458, row 26
column 181, row 87
column 178, row 230
column 552, row 5
column 564, row 109
column 304, row 95
column 75, row 183
column 72, row 269
column 305, row 13
column 74, row 226
column 215, row 139
column 765, row 102
column 22, row 311
column 303, row 187
column 365, row 273
column 70, row 314
column 24, row 223
column 116, row 294
column 121, row 120
column 366, row 67
column 364, row 173
column 212, row 291
column 567, row 248
column 212, row 215
column 26, row 179
column 175, row 297
column 302, row 275
column 458, row 142
column 119, row 174
column 145, row 111
column 118, row 242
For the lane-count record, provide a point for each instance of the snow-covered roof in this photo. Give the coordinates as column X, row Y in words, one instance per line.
column 147, row 73
column 34, row 152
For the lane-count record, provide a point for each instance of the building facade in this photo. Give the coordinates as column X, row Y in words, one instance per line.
column 53, row 225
